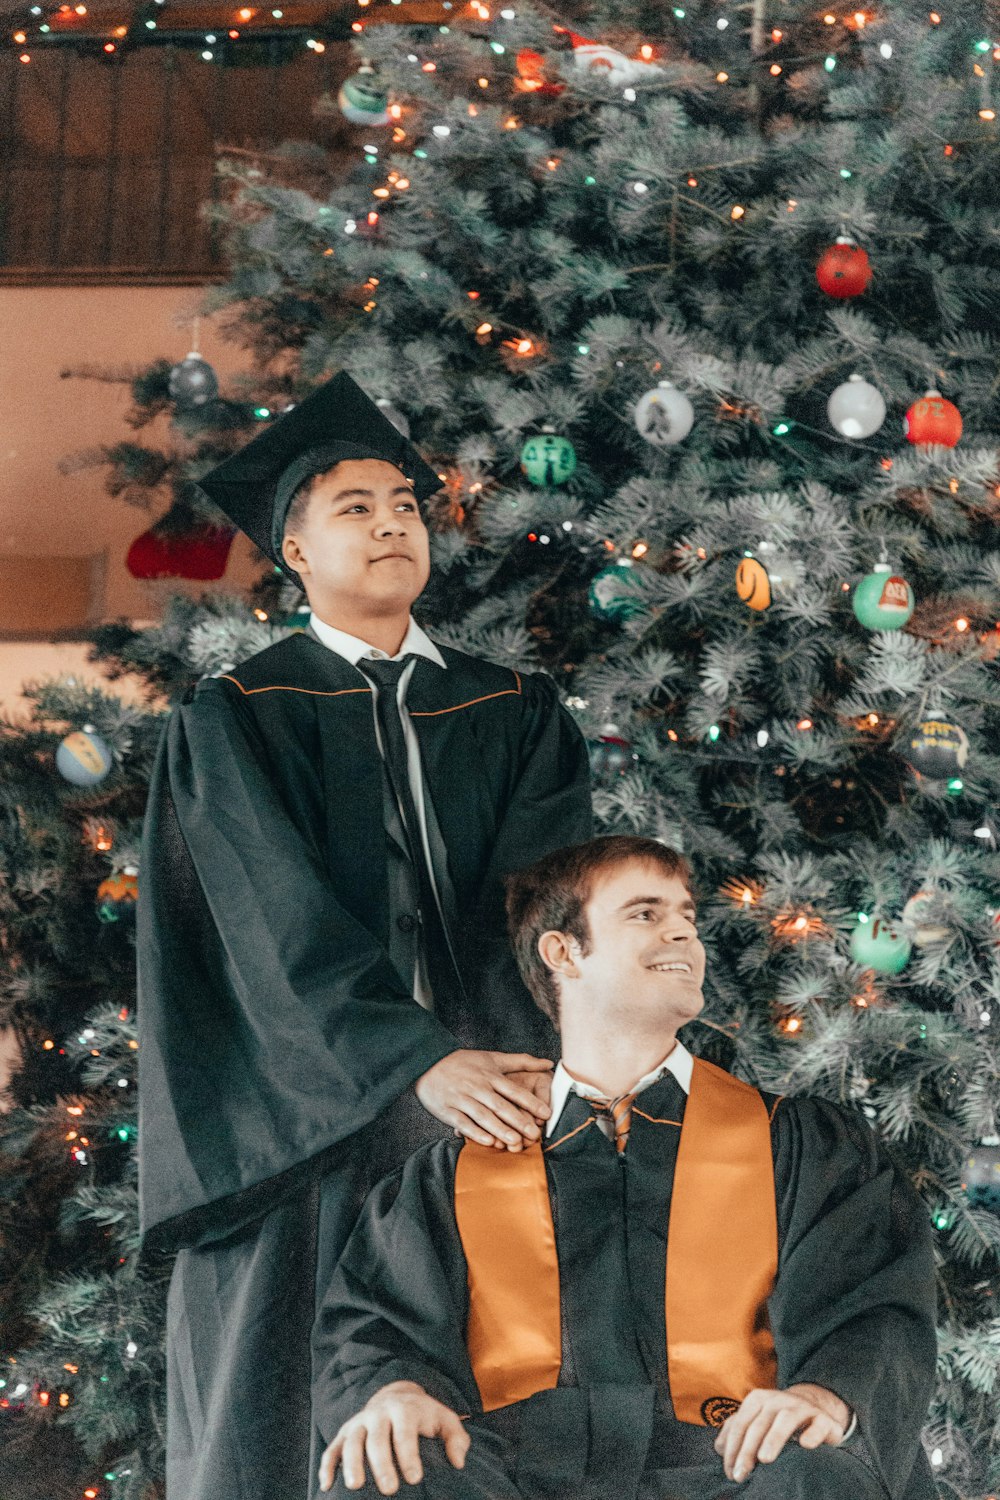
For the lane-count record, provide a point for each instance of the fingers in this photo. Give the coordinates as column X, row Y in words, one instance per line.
column 456, row 1440
column 781, row 1429
column 353, row 1457
column 378, row 1451
column 822, row 1429
column 329, row 1462
column 464, row 1124
column 743, row 1459
column 521, row 1062
column 512, row 1125
column 406, row 1444
column 510, row 1089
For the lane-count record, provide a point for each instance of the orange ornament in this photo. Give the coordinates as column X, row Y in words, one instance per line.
column 844, row 269
column 116, row 896
column 932, row 419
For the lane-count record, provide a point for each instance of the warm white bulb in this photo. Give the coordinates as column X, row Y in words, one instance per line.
column 722, row 24
column 885, row 49
column 762, row 737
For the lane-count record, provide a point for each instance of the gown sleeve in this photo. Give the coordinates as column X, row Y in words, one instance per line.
column 272, row 1024
column 854, row 1305
column 547, row 807
column 397, row 1304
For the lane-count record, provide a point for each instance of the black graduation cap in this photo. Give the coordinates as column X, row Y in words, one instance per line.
column 256, row 486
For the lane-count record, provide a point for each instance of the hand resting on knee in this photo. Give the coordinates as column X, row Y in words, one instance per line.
column 386, row 1433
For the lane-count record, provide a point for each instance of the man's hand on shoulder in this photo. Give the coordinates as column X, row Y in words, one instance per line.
column 493, row 1098
column 386, row 1433
column 759, row 1430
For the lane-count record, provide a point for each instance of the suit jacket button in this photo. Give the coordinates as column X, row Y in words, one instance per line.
column 406, row 923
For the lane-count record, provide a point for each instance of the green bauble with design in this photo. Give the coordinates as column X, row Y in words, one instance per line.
column 614, row 593
column 548, row 459
column 883, row 600
column 880, row 945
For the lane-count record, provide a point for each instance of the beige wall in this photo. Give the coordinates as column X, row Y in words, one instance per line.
column 55, row 518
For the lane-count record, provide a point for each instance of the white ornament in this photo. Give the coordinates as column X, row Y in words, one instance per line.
column 664, row 416
column 915, row 918
column 599, row 60
column 856, row 409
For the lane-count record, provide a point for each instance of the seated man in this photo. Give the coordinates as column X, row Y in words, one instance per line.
column 689, row 1290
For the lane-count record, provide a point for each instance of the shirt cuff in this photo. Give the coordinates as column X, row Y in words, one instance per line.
column 851, row 1430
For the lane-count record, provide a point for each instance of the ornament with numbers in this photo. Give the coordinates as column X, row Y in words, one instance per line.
column 844, row 269
column 883, row 600
column 933, row 419
column 937, row 748
column 856, row 409
column 664, row 416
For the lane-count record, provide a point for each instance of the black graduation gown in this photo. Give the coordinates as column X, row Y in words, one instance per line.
column 274, row 1029
column 852, row 1310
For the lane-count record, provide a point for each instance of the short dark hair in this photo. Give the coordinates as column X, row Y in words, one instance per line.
column 552, row 894
column 298, row 509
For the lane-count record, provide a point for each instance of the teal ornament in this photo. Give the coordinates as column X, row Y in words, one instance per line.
column 614, row 593
column 362, row 98
column 300, row 620
column 548, row 459
column 192, row 383
column 83, row 758
column 878, row 945
column 883, row 600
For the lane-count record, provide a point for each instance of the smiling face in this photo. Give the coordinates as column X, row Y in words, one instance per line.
column 645, row 965
column 359, row 546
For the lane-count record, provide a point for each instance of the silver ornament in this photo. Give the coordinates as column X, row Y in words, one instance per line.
column 664, row 416
column 856, row 409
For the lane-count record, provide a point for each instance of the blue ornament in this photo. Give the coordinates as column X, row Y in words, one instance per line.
column 878, row 945
column 83, row 758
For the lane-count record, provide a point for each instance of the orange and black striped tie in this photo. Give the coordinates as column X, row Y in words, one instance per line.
column 619, row 1113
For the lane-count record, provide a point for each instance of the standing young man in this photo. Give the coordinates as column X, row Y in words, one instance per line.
column 323, row 976
column 689, row 1291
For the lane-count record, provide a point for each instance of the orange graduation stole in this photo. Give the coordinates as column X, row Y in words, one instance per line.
column 722, row 1259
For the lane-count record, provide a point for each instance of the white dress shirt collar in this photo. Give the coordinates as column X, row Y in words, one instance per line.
column 679, row 1062
column 353, row 649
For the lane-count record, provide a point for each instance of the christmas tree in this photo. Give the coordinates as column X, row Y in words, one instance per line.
column 691, row 309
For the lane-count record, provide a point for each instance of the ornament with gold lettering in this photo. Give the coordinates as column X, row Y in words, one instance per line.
column 936, row 748
column 883, row 600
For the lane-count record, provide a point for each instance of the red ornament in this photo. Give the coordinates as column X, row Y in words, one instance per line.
column 531, row 77
column 932, row 419
column 844, row 269
column 200, row 551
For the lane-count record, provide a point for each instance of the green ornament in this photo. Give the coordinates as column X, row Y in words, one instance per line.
column 548, row 459
column 614, row 593
column 363, row 100
column 300, row 620
column 878, row 945
column 883, row 600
